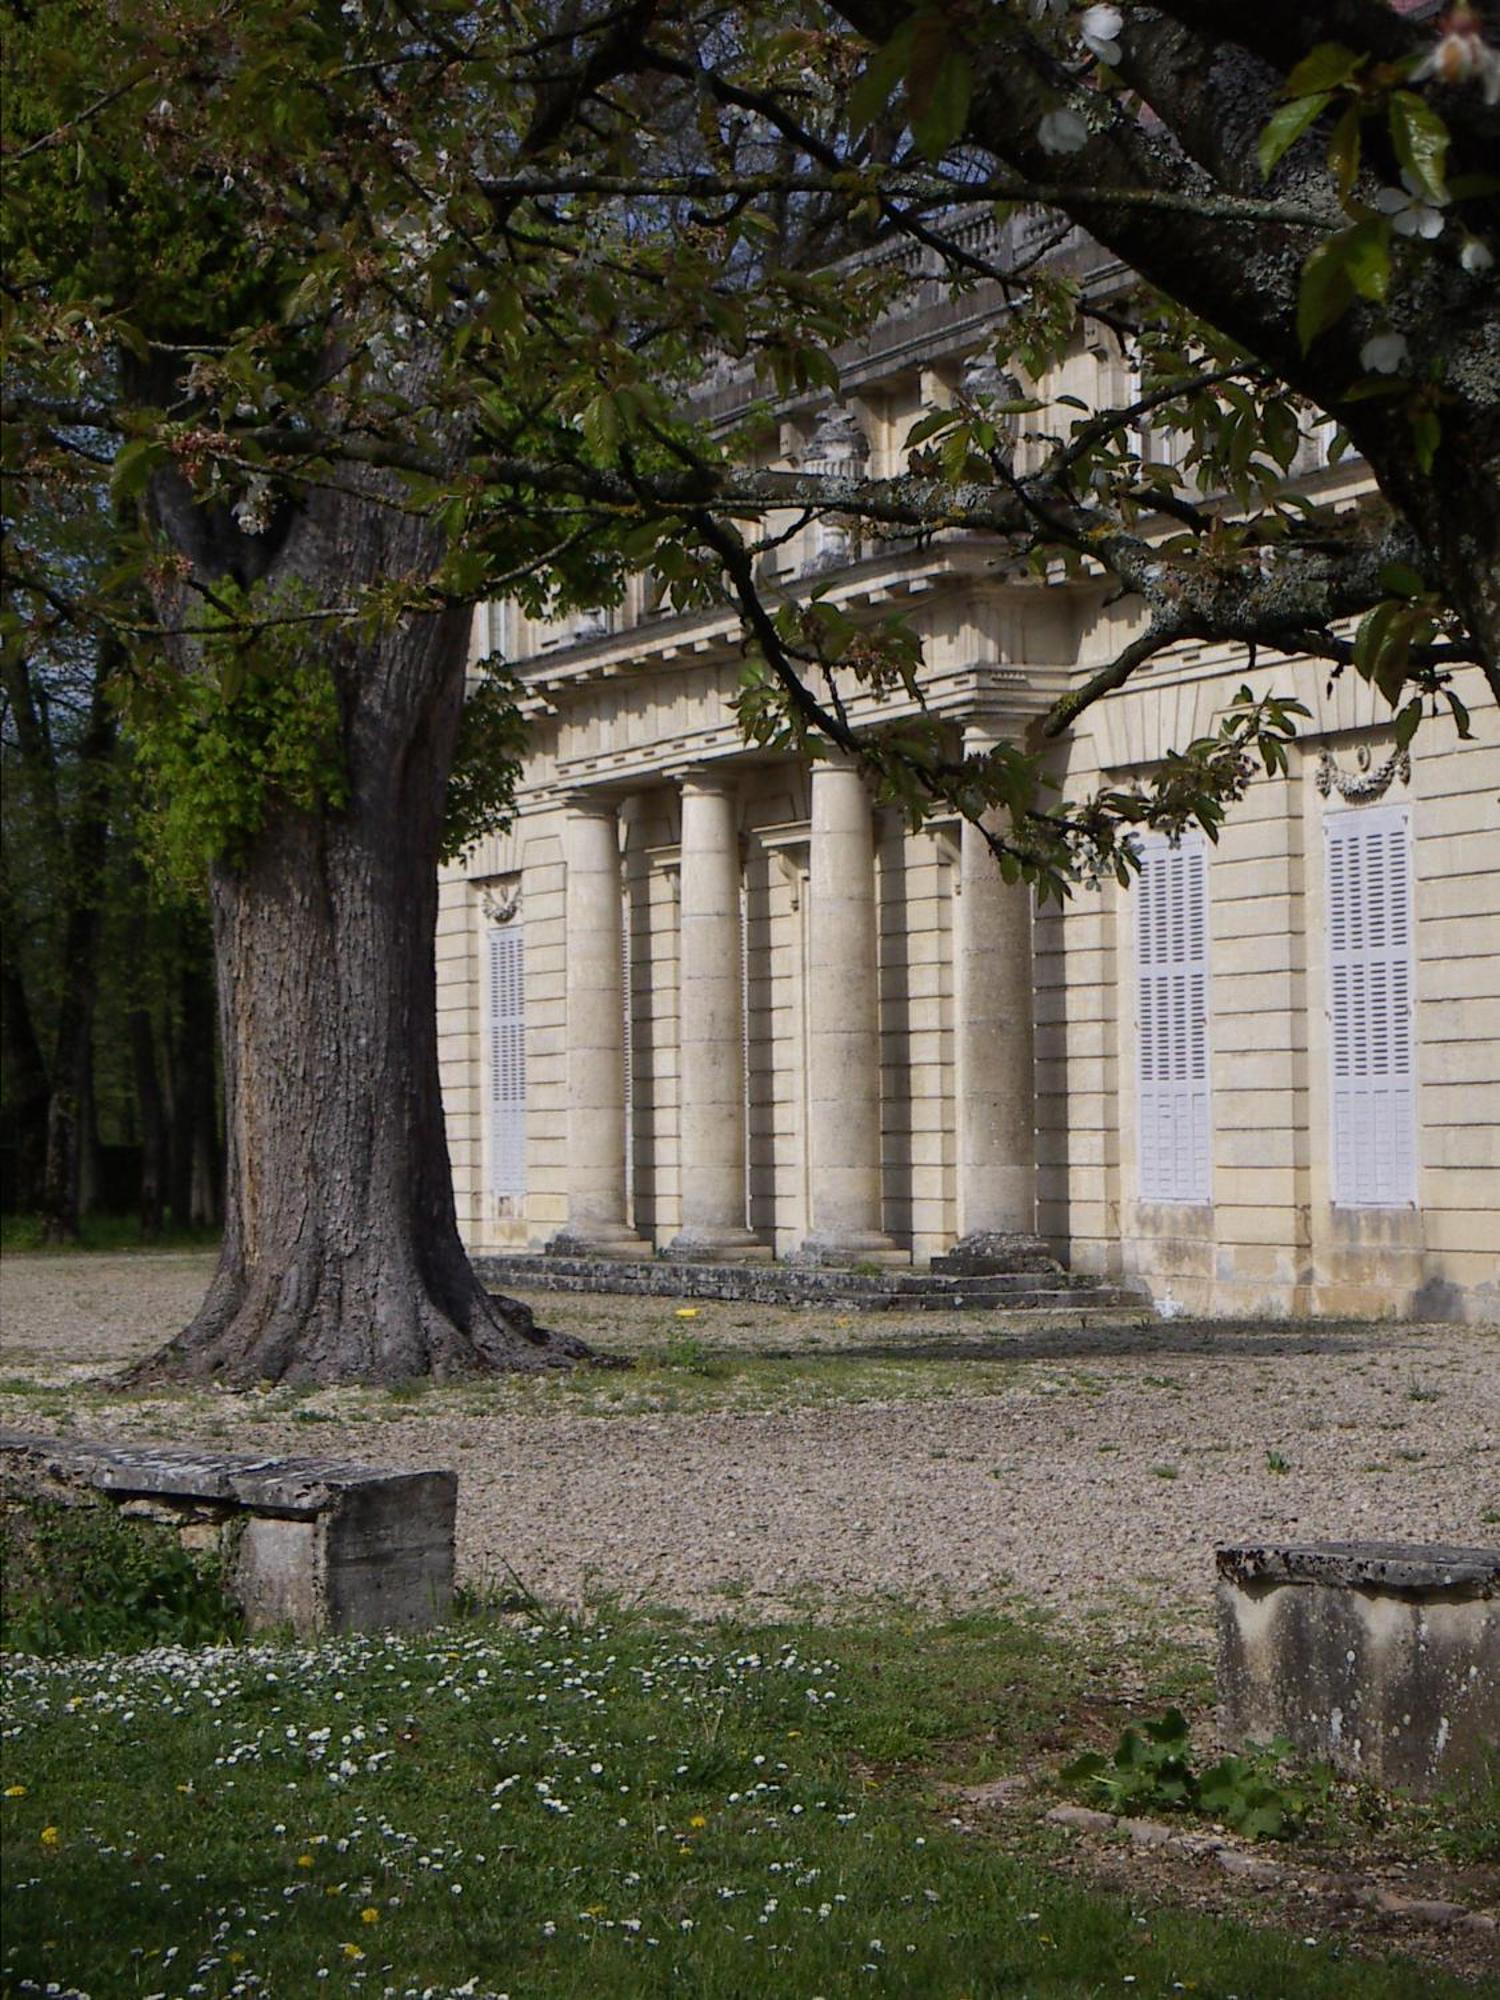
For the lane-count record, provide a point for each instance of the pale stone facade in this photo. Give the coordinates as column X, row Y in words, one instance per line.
column 760, row 1017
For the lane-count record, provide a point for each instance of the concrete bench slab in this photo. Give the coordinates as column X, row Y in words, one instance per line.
column 1381, row 1658
column 322, row 1545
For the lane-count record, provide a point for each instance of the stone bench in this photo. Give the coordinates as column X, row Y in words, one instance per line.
column 317, row 1544
column 1381, row 1658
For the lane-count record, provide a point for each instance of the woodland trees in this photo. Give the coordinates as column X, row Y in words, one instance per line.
column 108, row 1038
column 375, row 309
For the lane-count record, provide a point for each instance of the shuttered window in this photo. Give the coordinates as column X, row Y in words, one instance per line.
column 1172, row 1015
column 506, row 1054
column 1370, row 1008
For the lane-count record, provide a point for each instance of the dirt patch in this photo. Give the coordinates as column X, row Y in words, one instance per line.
column 1362, row 1892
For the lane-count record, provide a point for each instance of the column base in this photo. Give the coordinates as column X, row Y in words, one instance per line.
column 995, row 1252
column 600, row 1239
column 841, row 1248
column 717, row 1246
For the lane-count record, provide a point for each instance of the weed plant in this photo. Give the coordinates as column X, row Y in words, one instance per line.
column 84, row 1581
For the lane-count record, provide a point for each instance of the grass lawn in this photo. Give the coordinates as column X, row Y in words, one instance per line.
column 628, row 1806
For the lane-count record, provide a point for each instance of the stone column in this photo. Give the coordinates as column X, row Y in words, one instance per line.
column 843, row 1039
column 995, row 1085
column 597, row 1129
column 711, row 1028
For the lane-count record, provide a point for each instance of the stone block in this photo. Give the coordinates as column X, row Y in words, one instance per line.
column 1382, row 1658
column 317, row 1544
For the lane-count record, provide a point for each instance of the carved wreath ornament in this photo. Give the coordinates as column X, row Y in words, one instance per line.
column 1362, row 786
column 502, row 904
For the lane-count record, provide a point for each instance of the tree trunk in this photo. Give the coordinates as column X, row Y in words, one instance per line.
column 153, row 1122
column 28, row 1090
column 199, row 1128
column 341, row 1258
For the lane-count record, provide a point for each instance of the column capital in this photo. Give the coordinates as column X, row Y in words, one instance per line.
column 594, row 805
column 715, row 780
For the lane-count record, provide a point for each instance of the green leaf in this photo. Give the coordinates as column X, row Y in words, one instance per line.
column 1427, row 435
column 1343, row 152
column 1373, row 636
column 1367, row 256
column 1460, row 714
column 600, row 422
column 1089, row 1765
column 1170, row 1727
column 1401, row 580
column 134, row 464
column 929, row 426
column 1325, row 291
column 1286, row 127
column 1408, row 722
column 871, row 96
column 937, row 117
column 1323, row 68
column 1421, row 141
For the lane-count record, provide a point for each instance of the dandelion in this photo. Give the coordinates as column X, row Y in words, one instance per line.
column 698, row 1819
column 369, row 1915
column 15, row 1791
column 686, row 1312
column 304, row 1861
column 352, row 1951
column 50, row 1837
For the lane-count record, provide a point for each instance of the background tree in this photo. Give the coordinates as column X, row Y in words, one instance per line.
column 58, row 744
column 384, row 308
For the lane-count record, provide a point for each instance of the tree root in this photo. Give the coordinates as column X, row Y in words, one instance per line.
column 251, row 1333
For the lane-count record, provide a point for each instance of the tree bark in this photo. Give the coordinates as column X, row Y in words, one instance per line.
column 341, row 1258
column 200, row 1128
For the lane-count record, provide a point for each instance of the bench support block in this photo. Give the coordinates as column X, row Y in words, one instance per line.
column 1380, row 1659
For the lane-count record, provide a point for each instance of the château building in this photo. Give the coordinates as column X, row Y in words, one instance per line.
column 707, row 1000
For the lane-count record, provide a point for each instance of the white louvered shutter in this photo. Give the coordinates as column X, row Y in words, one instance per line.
column 1172, row 1019
column 1370, row 1008
column 507, row 1061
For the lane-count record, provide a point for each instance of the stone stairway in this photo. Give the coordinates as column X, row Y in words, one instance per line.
column 1018, row 1276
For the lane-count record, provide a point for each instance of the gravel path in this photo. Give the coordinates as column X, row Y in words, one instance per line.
column 809, row 1461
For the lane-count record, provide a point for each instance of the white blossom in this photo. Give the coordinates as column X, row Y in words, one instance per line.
column 1062, row 131
column 1412, row 212
column 1461, row 54
column 252, row 510
column 1099, row 32
column 1476, row 256
column 1384, row 354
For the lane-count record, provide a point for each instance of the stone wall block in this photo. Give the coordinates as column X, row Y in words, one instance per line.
column 1383, row 1660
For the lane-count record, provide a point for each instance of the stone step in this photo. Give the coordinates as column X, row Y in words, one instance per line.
column 1041, row 1298
column 994, row 1285
column 1046, row 1291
